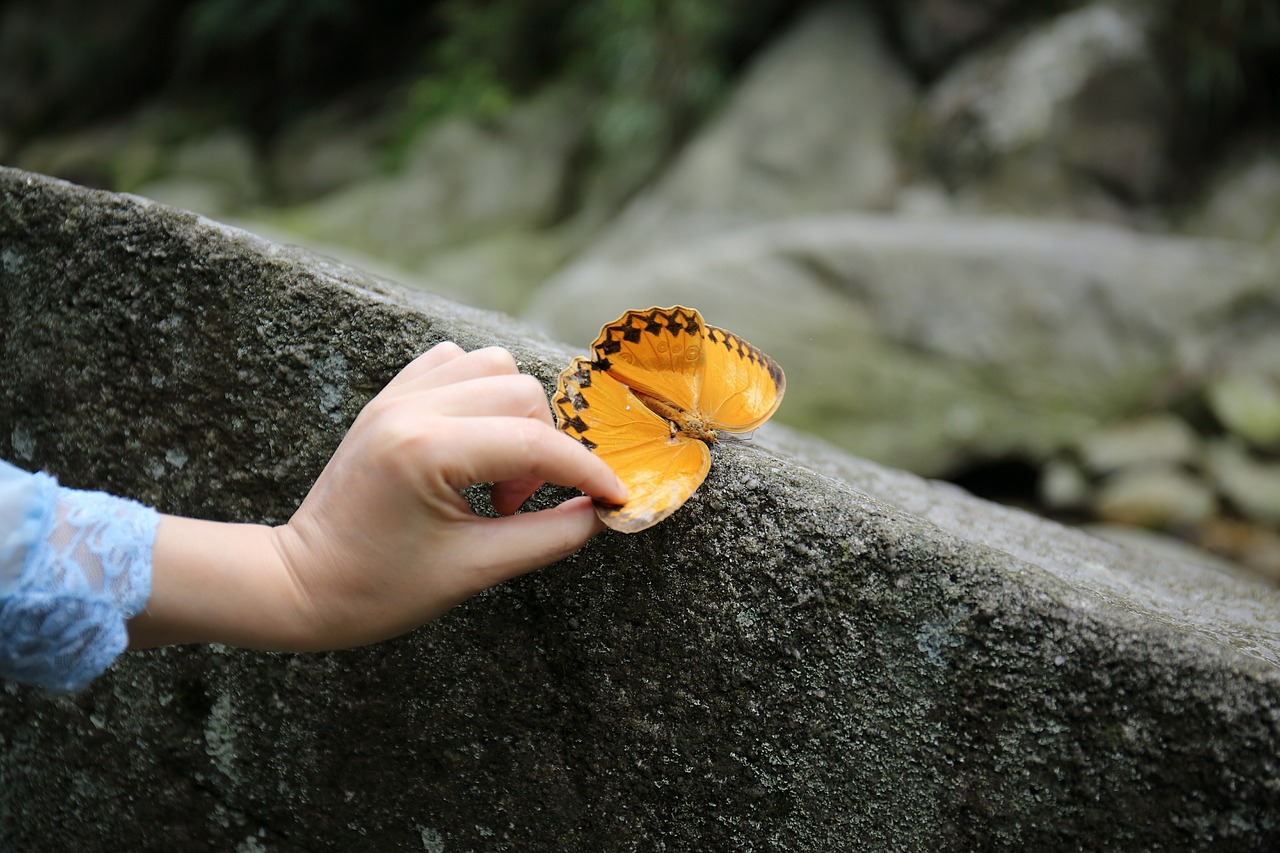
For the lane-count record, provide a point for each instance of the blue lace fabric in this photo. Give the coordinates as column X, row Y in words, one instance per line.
column 74, row 566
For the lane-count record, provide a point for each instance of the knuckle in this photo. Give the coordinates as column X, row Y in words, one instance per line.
column 531, row 437
column 372, row 419
column 529, row 388
column 393, row 433
column 447, row 348
column 496, row 360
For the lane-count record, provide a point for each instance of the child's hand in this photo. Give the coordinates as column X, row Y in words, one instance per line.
column 384, row 542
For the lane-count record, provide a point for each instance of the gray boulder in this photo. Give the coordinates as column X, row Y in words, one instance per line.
column 1242, row 201
column 1248, row 405
column 1033, row 122
column 463, row 179
column 933, row 32
column 925, row 342
column 809, row 129
column 816, row 653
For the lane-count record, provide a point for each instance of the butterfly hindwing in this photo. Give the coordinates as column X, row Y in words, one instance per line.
column 742, row 387
column 660, row 468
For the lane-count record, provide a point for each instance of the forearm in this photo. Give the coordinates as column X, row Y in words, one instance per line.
column 216, row 582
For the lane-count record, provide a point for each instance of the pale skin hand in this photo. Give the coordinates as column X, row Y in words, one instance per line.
column 383, row 542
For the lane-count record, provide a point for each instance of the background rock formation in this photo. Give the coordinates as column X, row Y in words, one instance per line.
column 815, row 653
column 984, row 234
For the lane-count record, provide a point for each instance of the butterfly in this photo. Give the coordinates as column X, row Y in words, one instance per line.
column 658, row 385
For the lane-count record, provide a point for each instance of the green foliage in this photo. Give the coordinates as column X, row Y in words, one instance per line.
column 272, row 40
column 654, row 66
column 657, row 65
column 477, row 63
column 258, row 63
column 1224, row 54
column 215, row 24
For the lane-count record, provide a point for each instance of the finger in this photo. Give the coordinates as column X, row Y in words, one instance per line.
column 509, row 496
column 489, row 361
column 432, row 359
column 514, row 395
column 501, row 449
column 511, row 546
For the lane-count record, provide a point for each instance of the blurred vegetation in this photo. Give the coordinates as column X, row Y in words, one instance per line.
column 654, row 67
column 1224, row 59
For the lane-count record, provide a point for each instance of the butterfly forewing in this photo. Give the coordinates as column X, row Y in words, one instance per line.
column 658, row 352
column 742, row 386
column 660, row 470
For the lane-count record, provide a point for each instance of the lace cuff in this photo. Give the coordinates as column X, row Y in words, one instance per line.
column 78, row 566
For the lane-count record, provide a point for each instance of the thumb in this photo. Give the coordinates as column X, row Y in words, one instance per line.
column 516, row 544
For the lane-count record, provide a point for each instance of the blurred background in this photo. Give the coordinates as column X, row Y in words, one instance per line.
column 1029, row 247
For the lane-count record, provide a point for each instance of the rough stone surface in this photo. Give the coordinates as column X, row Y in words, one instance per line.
column 816, row 653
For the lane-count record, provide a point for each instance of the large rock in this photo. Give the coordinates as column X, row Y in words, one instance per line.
column 1248, row 405
column 815, row 654
column 809, row 129
column 328, row 149
column 933, row 32
column 215, row 174
column 468, row 192
column 1036, row 121
column 1242, row 201
column 462, row 178
column 924, row 343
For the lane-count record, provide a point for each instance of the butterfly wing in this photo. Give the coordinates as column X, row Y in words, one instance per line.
column 660, row 468
column 657, row 351
column 742, row 387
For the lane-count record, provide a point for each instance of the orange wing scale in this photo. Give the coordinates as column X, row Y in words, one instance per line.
column 658, row 383
column 658, row 352
column 743, row 386
column 660, row 467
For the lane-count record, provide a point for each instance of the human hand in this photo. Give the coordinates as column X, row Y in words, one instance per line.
column 384, row 542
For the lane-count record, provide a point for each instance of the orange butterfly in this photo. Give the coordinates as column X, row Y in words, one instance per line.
column 659, row 383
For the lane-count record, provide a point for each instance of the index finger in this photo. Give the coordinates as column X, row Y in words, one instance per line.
column 500, row 449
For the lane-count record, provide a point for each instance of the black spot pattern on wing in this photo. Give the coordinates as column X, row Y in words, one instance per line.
column 651, row 321
column 569, row 401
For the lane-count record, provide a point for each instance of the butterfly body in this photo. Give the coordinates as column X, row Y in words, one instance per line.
column 659, row 385
column 689, row 424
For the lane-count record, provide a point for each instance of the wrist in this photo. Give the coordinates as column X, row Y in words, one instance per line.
column 214, row 582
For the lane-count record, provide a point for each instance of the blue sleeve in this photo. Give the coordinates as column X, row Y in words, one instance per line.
column 73, row 567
